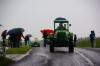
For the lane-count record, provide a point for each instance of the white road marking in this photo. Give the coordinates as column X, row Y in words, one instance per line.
column 76, row 62
column 87, row 59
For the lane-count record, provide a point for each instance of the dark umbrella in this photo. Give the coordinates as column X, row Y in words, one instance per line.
column 29, row 35
column 0, row 25
column 15, row 31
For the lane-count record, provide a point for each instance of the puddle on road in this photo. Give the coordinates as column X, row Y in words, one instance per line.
column 40, row 58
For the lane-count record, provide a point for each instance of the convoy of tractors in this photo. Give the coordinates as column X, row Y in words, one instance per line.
column 60, row 37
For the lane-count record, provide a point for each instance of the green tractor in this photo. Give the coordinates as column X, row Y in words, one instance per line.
column 61, row 37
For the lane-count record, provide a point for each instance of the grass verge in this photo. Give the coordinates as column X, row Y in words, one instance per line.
column 21, row 50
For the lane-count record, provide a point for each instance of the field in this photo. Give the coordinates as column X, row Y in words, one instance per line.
column 86, row 43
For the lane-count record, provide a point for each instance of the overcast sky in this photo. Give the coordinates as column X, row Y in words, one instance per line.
column 34, row 15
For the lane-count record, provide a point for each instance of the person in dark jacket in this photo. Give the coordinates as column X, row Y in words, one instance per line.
column 45, row 34
column 17, row 39
column 92, row 38
column 26, row 40
column 11, row 40
column 3, row 35
column 75, row 40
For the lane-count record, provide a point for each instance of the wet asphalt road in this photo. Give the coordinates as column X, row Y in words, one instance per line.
column 42, row 57
column 93, row 54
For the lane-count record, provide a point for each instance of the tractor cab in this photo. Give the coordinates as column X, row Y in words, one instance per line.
column 63, row 24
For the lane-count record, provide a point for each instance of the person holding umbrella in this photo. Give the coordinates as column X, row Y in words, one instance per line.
column 18, row 39
column 15, row 36
column 3, row 35
column 45, row 33
column 27, row 38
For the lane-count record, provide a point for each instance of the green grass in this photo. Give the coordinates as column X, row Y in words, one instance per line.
column 86, row 43
column 5, row 61
column 0, row 43
column 21, row 50
column 98, row 42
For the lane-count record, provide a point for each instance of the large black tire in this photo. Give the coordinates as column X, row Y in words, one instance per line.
column 71, row 44
column 44, row 43
column 71, row 47
column 51, row 48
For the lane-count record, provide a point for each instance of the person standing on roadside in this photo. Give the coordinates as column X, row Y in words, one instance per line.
column 27, row 40
column 3, row 35
column 75, row 40
column 92, row 38
column 11, row 42
column 17, row 39
column 45, row 35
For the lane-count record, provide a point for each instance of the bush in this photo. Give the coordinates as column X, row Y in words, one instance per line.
column 5, row 61
column 86, row 43
column 98, row 42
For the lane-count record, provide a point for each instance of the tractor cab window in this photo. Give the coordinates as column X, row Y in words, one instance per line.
column 61, row 26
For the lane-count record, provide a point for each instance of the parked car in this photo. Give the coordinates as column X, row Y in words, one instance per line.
column 35, row 44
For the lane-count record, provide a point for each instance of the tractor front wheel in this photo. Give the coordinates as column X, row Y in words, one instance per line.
column 44, row 42
column 71, row 47
column 51, row 48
